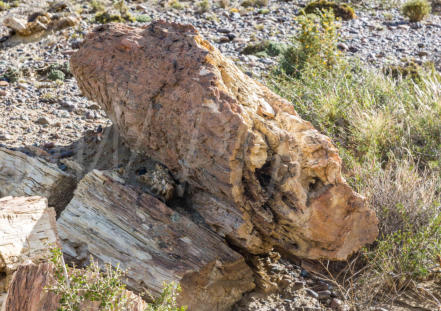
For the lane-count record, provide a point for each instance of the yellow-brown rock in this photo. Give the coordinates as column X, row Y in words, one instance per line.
column 39, row 23
column 257, row 174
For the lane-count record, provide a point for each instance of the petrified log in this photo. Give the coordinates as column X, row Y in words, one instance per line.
column 118, row 224
column 257, row 173
column 27, row 229
column 22, row 175
column 29, row 292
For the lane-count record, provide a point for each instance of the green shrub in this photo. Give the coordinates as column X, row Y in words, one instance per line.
column 113, row 17
column 316, row 44
column 142, row 18
column 11, row 75
column 264, row 48
column 58, row 71
column 263, row 11
column 55, row 75
column 368, row 114
column 203, row 6
column 416, row 10
column 388, row 132
column 76, row 286
column 108, row 17
column 4, row 6
column 343, row 11
column 407, row 202
column 175, row 4
column 254, row 3
column 120, row 14
column 408, row 70
column 97, row 6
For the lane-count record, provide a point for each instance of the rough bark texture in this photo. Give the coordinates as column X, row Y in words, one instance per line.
column 118, row 224
column 27, row 292
column 27, row 228
column 258, row 174
column 22, row 175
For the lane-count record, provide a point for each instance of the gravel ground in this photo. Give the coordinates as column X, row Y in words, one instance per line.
column 35, row 111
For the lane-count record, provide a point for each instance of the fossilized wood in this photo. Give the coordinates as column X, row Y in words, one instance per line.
column 29, row 292
column 120, row 225
column 22, row 175
column 27, row 230
column 258, row 174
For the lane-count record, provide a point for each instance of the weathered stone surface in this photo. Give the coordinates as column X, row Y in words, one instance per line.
column 22, row 175
column 257, row 173
column 28, row 292
column 27, row 229
column 15, row 23
column 39, row 22
column 118, row 224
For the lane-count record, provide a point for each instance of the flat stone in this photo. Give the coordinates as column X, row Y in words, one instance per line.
column 312, row 293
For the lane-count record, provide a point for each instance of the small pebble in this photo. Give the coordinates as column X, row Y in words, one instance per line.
column 324, row 294
column 42, row 121
column 312, row 293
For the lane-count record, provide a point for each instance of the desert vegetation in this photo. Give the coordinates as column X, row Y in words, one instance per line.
column 104, row 285
column 388, row 132
column 364, row 73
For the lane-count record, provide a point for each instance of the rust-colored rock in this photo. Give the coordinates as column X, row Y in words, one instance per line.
column 256, row 172
column 27, row 293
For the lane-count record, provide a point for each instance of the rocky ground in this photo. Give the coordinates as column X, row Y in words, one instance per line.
column 35, row 111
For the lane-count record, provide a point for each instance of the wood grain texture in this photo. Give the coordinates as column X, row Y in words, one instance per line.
column 120, row 225
column 22, row 175
column 27, row 230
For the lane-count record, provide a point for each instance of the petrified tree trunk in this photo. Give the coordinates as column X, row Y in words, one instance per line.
column 257, row 173
column 120, row 225
column 27, row 229
column 22, row 175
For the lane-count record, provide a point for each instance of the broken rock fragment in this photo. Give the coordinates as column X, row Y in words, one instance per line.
column 23, row 175
column 40, row 22
column 27, row 231
column 117, row 224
